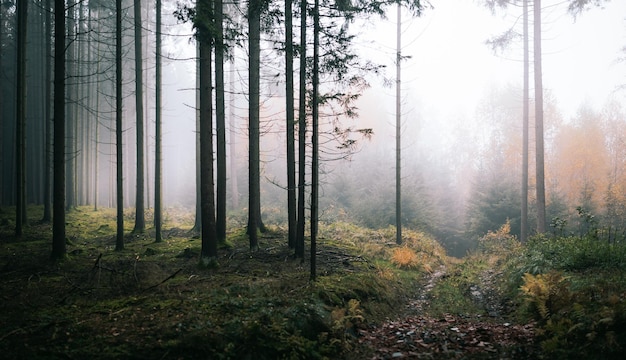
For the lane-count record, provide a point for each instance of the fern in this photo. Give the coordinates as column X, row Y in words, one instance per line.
column 546, row 293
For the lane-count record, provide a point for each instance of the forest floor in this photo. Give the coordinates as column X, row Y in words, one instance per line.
column 154, row 301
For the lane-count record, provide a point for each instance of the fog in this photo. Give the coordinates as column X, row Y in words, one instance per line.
column 450, row 80
column 461, row 115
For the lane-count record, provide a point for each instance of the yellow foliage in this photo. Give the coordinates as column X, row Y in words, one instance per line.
column 546, row 293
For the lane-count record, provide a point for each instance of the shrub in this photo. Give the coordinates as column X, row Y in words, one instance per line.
column 405, row 258
column 500, row 242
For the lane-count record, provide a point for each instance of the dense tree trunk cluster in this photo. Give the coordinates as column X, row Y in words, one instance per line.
column 67, row 107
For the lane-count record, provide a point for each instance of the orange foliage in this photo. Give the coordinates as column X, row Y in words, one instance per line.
column 580, row 163
column 405, row 257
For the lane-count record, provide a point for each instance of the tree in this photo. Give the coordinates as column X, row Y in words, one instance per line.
column 20, row 127
column 58, row 215
column 1, row 101
column 581, row 160
column 140, row 221
column 204, row 24
column 539, row 148
column 525, row 134
column 290, row 120
column 494, row 202
column 398, row 132
column 315, row 140
column 119, row 243
column 501, row 42
column 301, row 133
column 254, row 187
column 220, row 121
column 234, row 185
column 47, row 201
column 71, row 105
column 197, row 227
column 158, row 207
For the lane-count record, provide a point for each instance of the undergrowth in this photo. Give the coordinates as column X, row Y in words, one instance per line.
column 153, row 300
column 575, row 288
column 572, row 287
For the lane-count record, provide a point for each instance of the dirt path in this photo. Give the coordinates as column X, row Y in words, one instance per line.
column 418, row 304
column 418, row 336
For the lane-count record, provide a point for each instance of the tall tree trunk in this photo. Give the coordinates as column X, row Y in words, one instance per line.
column 119, row 243
column 47, row 196
column 197, row 227
column 1, row 108
column 209, row 232
column 158, row 222
column 70, row 111
column 398, row 131
column 58, row 214
column 146, row 106
column 20, row 127
column 291, row 151
column 220, row 121
column 314, row 140
column 254, row 51
column 525, row 108
column 541, row 190
column 140, row 221
column 301, row 133
column 82, row 176
column 97, row 123
column 233, row 136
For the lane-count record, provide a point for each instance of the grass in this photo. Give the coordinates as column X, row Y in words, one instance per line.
column 451, row 294
column 153, row 300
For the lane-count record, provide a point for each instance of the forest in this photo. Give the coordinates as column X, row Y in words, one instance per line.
column 312, row 179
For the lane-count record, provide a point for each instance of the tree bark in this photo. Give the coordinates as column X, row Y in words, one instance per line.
column 525, row 111
column 119, row 244
column 291, row 151
column 1, row 112
column 220, row 121
column 254, row 51
column 301, row 133
column 197, row 227
column 20, row 127
column 539, row 149
column 97, row 123
column 47, row 196
column 209, row 231
column 140, row 221
column 157, row 134
column 58, row 215
column 70, row 201
column 314, row 141
column 233, row 142
column 398, row 131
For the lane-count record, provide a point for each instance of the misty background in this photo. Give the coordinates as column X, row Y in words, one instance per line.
column 461, row 115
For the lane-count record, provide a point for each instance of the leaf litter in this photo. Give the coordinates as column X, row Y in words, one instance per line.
column 450, row 336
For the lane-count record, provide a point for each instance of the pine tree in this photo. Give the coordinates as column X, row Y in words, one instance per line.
column 58, row 201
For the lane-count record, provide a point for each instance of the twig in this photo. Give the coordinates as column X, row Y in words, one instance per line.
column 166, row 279
column 135, row 269
column 95, row 265
column 11, row 333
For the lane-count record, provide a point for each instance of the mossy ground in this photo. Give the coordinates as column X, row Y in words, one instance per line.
column 154, row 301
